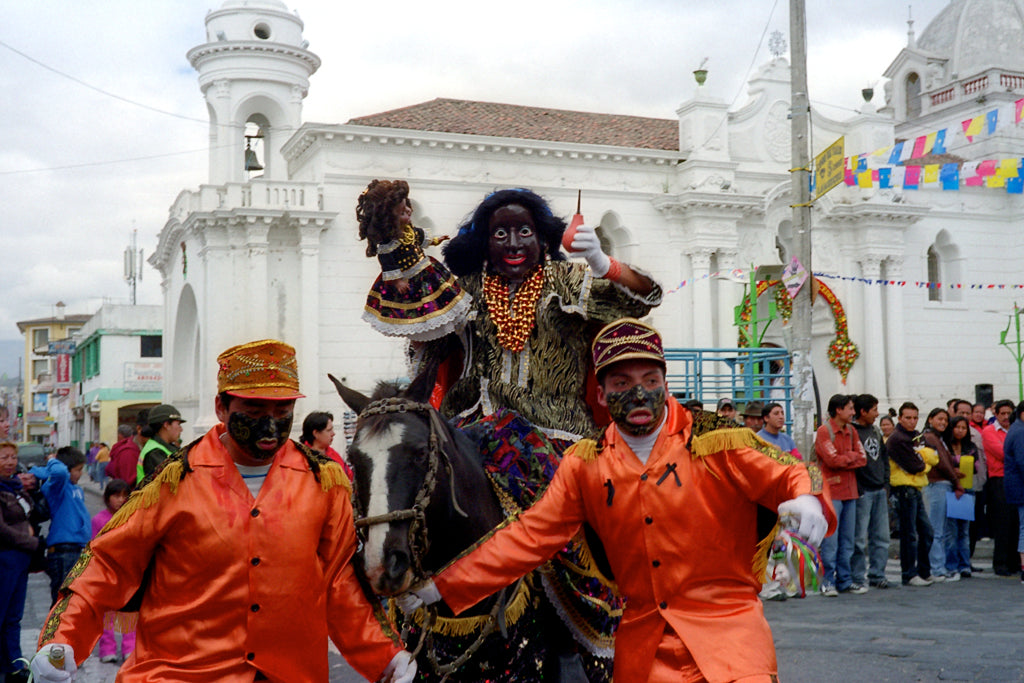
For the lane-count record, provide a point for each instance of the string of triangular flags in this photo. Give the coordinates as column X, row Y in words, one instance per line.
column 740, row 274
column 886, row 167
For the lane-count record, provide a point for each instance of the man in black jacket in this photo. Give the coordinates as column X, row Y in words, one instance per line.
column 871, row 538
column 915, row 530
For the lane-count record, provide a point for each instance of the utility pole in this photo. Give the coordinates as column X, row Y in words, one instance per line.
column 800, row 114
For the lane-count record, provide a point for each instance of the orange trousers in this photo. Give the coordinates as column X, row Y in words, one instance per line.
column 673, row 663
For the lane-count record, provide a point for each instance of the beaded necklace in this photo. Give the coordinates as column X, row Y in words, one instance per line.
column 514, row 314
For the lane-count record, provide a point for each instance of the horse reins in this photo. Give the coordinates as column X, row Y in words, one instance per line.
column 439, row 445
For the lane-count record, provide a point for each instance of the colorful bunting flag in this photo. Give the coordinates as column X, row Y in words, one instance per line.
column 912, row 177
column 885, row 177
column 973, row 127
column 992, row 118
column 897, row 150
column 918, row 148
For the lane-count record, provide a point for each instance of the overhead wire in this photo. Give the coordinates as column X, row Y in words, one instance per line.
column 743, row 82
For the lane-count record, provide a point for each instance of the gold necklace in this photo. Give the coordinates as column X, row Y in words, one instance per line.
column 513, row 314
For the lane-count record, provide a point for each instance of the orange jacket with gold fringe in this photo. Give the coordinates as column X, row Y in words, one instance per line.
column 680, row 534
column 235, row 585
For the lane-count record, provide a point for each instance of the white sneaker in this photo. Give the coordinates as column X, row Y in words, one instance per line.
column 829, row 591
column 938, row 578
column 857, row 589
column 955, row 576
column 919, row 582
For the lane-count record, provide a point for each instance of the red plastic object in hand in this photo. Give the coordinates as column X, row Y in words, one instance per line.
column 570, row 232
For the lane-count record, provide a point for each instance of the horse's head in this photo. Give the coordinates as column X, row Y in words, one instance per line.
column 401, row 481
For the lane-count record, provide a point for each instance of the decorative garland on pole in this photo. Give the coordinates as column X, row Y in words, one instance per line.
column 842, row 352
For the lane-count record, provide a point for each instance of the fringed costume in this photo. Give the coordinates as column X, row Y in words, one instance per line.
column 229, row 585
column 691, row 573
column 546, row 381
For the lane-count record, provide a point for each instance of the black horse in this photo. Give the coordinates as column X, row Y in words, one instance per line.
column 422, row 497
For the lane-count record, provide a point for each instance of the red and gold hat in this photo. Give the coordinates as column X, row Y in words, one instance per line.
column 259, row 369
column 625, row 339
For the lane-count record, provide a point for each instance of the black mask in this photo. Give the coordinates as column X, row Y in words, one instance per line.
column 622, row 403
column 247, row 432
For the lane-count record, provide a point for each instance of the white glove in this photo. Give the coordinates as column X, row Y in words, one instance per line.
column 425, row 594
column 402, row 669
column 44, row 671
column 806, row 510
column 587, row 245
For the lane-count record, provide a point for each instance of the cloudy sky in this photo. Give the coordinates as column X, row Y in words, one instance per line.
column 103, row 123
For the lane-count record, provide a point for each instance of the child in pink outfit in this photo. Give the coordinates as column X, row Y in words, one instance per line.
column 114, row 496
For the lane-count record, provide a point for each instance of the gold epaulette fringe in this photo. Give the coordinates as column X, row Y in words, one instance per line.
column 584, row 449
column 170, row 474
column 760, row 563
column 739, row 437
column 331, row 475
column 122, row 622
column 459, row 627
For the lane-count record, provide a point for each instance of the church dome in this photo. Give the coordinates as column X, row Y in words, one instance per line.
column 975, row 35
column 255, row 4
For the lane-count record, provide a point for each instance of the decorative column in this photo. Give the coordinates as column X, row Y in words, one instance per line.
column 309, row 274
column 895, row 338
column 730, row 295
column 256, row 296
column 703, row 331
column 873, row 315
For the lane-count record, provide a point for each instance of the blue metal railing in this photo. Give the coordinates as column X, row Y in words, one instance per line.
column 760, row 374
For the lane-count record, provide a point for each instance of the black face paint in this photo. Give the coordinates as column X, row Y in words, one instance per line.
column 622, row 403
column 247, row 432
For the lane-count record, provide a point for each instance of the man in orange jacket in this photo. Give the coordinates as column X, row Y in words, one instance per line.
column 677, row 517
column 240, row 546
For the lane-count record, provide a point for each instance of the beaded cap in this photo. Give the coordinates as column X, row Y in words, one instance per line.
column 259, row 369
column 625, row 339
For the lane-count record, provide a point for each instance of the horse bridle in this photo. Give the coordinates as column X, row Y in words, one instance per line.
column 439, row 445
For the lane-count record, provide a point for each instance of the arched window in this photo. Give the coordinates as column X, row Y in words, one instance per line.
column 912, row 95
column 944, row 268
column 784, row 241
column 934, row 293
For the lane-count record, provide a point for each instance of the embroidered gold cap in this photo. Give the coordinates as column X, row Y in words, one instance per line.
column 625, row 339
column 259, row 369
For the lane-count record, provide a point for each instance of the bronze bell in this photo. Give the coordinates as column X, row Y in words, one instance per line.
column 251, row 162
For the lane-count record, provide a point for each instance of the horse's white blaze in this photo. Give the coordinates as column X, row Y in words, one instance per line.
column 377, row 448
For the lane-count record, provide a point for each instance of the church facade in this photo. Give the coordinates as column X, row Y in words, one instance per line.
column 696, row 200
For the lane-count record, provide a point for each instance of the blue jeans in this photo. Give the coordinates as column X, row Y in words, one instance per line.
column 958, row 545
column 837, row 549
column 58, row 564
column 935, row 502
column 871, row 538
column 915, row 533
column 13, row 585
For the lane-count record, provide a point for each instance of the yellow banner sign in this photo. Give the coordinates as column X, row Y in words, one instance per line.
column 828, row 167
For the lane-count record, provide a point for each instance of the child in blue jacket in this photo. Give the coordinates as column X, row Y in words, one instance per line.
column 70, row 525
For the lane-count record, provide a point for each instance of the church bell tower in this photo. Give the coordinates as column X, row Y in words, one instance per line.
column 254, row 71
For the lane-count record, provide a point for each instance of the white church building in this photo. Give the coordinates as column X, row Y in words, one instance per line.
column 690, row 199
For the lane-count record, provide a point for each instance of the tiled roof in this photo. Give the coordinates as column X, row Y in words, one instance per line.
column 530, row 123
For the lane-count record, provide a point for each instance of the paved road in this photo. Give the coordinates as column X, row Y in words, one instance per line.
column 965, row 631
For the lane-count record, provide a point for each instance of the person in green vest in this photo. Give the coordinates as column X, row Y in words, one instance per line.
column 165, row 423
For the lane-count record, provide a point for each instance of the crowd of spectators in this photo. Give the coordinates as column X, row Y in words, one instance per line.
column 937, row 487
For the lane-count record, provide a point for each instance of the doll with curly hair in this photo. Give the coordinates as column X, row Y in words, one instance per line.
column 415, row 296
